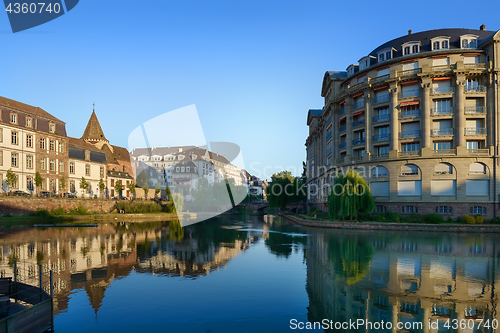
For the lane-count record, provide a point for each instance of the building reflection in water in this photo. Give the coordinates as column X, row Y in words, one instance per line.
column 402, row 278
column 91, row 258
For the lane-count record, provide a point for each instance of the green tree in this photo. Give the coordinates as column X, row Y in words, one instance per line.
column 157, row 190
column 38, row 180
column 131, row 188
column 201, row 194
column 146, row 191
column 284, row 189
column 102, row 187
column 84, row 185
column 351, row 257
column 178, row 202
column 62, row 184
column 143, row 179
column 118, row 188
column 349, row 195
column 11, row 179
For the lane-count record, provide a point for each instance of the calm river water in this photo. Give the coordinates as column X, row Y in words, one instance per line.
column 260, row 274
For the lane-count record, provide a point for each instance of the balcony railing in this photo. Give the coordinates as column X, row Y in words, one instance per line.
column 441, row 111
column 339, row 161
column 475, row 130
column 409, row 153
column 342, row 128
column 328, row 135
column 442, row 90
column 356, row 158
column 410, row 72
column 478, row 65
column 358, row 123
column 380, row 78
column 328, row 151
column 381, row 98
column 343, row 145
column 442, row 68
column 445, row 151
column 381, row 137
column 380, row 156
column 359, row 141
column 445, row 131
column 409, row 93
column 382, row 117
column 409, row 113
column 342, row 111
column 410, row 134
column 475, row 109
column 358, row 105
column 478, row 151
column 474, row 89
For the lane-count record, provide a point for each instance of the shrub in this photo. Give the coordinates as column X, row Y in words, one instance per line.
column 434, row 218
column 138, row 207
column 58, row 211
column 80, row 210
column 469, row 219
column 460, row 219
column 449, row 220
column 388, row 217
column 495, row 220
column 7, row 215
column 43, row 213
column 479, row 219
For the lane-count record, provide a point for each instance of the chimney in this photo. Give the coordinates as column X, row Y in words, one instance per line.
column 482, row 27
column 409, row 32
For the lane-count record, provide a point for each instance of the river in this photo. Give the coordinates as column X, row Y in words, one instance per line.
column 240, row 273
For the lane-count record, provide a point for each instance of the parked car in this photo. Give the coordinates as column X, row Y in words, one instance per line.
column 20, row 193
column 69, row 195
column 47, row 194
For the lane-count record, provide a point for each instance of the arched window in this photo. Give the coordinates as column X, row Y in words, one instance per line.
column 444, row 168
column 477, row 168
column 379, row 171
column 409, row 169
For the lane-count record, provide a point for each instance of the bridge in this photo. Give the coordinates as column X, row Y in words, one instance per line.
column 256, row 207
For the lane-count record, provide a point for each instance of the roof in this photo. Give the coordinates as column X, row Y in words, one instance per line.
column 219, row 158
column 93, row 131
column 32, row 110
column 313, row 113
column 82, row 144
column 77, row 148
column 119, row 174
column 185, row 164
column 159, row 150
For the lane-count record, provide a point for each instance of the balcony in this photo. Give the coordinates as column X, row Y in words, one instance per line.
column 381, row 118
column 445, row 151
column 342, row 128
column 410, row 72
column 356, row 158
column 475, row 110
column 358, row 123
column 380, row 78
column 342, row 112
column 409, row 134
column 381, row 137
column 409, row 93
column 475, row 131
column 441, row 111
column 381, row 98
column 442, row 90
column 358, row 105
column 359, row 141
column 475, row 89
column 478, row 65
column 409, row 153
column 339, row 161
column 443, row 68
column 380, row 156
column 440, row 132
column 409, row 113
column 343, row 145
column 478, row 151
column 328, row 151
column 329, row 135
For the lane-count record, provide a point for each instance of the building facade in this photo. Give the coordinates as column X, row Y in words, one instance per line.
column 417, row 117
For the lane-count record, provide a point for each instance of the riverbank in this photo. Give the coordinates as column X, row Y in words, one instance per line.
column 473, row 228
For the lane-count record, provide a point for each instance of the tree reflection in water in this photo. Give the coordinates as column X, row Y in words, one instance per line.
column 351, row 257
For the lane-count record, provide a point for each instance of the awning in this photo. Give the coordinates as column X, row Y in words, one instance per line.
column 357, row 95
column 359, row 112
column 380, row 88
column 342, row 102
column 410, row 103
column 442, row 78
column 409, row 82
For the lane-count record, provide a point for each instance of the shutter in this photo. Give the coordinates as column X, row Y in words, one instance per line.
column 410, row 187
column 380, row 188
column 443, row 187
column 477, row 168
column 410, row 65
column 408, row 87
column 382, row 72
column 471, row 60
column 477, row 187
column 413, row 126
column 440, row 62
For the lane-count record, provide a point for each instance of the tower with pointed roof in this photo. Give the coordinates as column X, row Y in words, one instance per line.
column 93, row 133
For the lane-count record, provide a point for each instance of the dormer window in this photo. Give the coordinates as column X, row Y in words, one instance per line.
column 87, row 156
column 29, row 122
column 440, row 43
column 52, row 127
column 468, row 41
column 365, row 62
column 411, row 48
column 384, row 55
column 13, row 118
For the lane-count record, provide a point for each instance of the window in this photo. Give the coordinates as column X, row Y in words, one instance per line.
column 87, row 170
column 409, row 169
column 29, row 162
column 53, row 185
column 381, row 57
column 445, row 45
column 14, row 160
column 52, row 165
column 52, row 128
column 406, row 50
column 477, row 168
column 87, row 156
column 177, row 169
column 42, row 143
column 415, row 49
column 72, row 167
column 42, row 163
column 478, row 210
column 381, row 209
column 101, row 172
column 29, row 122
column 412, row 146
column 442, row 145
column 112, row 182
column 1, row 160
column 61, row 166
column 435, row 45
column 72, row 186
column 29, row 183
column 52, row 145
column 1, row 135
column 13, row 118
column 61, row 147
column 14, row 138
column 388, row 55
column 187, row 169
column 409, row 209
column 443, row 210
column 29, row 140
column 379, row 171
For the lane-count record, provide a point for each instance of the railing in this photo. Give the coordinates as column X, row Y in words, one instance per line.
column 410, row 134
column 380, row 156
column 478, row 151
column 342, row 111
column 475, row 130
column 359, row 141
column 339, row 161
column 410, row 72
column 442, row 68
column 442, row 90
column 359, row 104
column 380, row 78
column 409, row 113
column 342, row 128
column 328, row 151
column 343, row 145
column 356, row 158
column 328, row 135
column 409, row 153
column 475, row 65
column 358, row 123
column 445, row 151
column 442, row 111
column 382, row 117
column 409, row 93
column 445, row 131
column 478, row 88
column 381, row 98
column 475, row 109
column 381, row 137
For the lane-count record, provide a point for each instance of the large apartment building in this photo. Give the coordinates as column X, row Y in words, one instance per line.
column 418, row 118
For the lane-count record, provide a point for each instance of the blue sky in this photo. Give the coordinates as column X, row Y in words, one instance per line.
column 252, row 68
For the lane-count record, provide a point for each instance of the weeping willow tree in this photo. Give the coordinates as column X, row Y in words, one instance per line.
column 351, row 257
column 349, row 195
